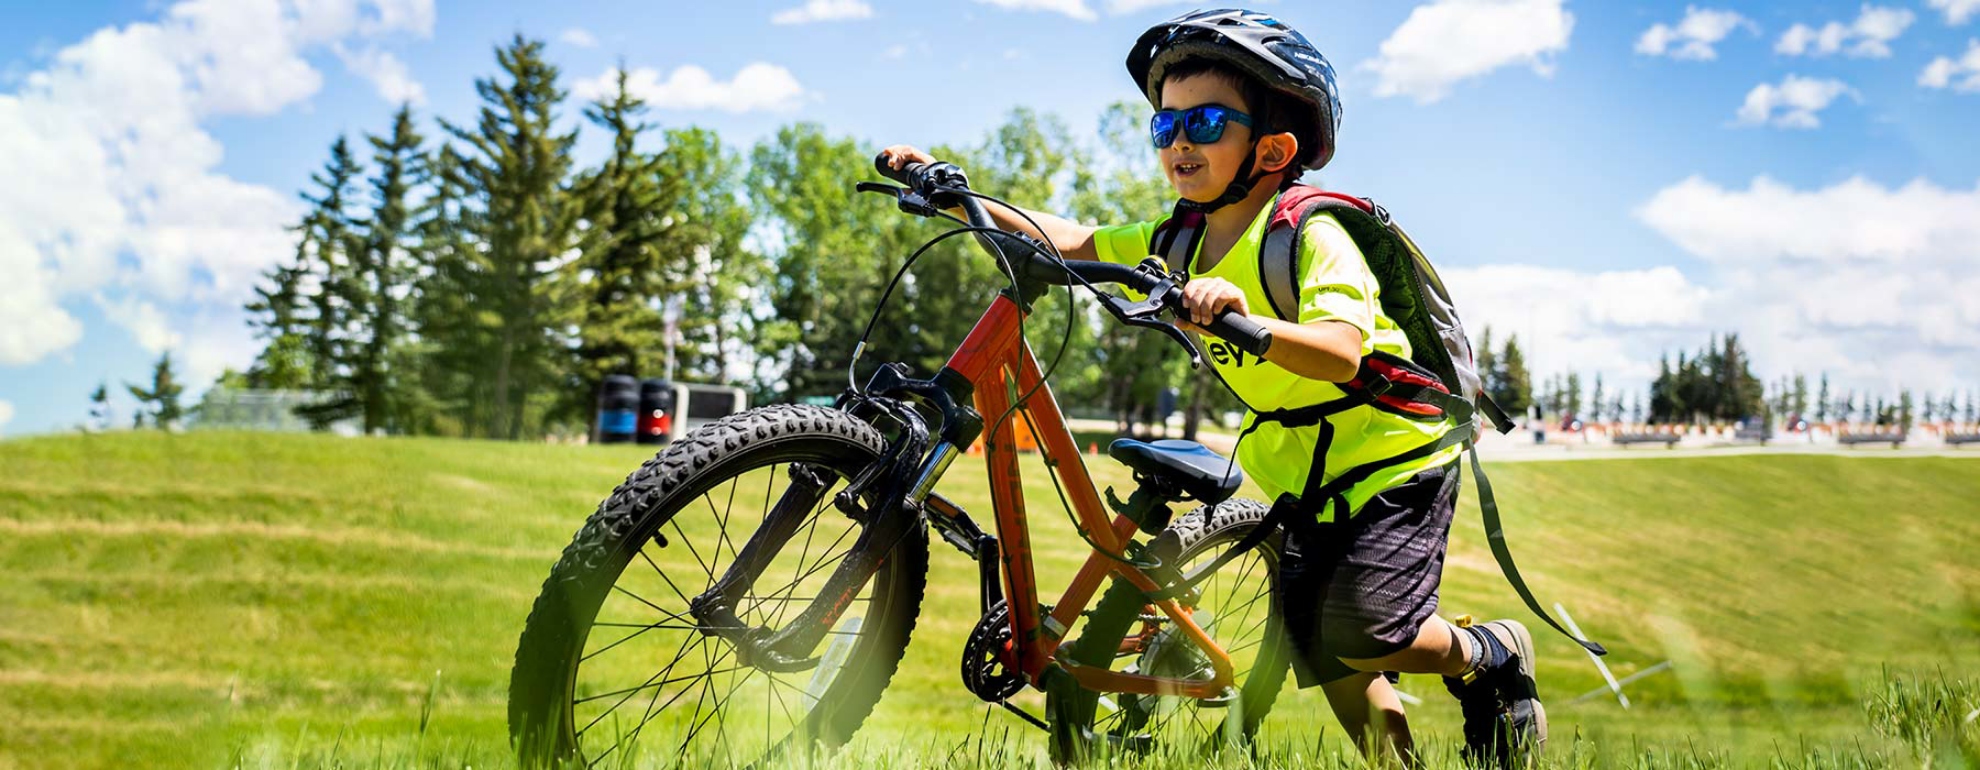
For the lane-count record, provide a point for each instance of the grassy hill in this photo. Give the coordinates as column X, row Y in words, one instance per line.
column 212, row 600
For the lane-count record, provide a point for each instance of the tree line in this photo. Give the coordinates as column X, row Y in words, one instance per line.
column 474, row 280
column 478, row 282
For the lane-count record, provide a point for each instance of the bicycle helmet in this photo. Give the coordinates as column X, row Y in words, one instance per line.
column 1256, row 44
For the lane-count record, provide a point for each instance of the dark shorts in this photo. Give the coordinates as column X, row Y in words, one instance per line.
column 1363, row 588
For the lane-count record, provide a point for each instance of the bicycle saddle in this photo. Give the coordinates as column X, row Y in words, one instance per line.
column 1189, row 466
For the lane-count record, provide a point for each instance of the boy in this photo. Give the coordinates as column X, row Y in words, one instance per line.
column 1244, row 106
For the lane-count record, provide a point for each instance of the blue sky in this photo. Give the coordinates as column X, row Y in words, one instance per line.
column 1584, row 173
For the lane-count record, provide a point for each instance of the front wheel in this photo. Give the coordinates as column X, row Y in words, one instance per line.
column 1235, row 605
column 612, row 668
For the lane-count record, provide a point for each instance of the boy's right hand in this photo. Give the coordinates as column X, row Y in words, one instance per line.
column 899, row 155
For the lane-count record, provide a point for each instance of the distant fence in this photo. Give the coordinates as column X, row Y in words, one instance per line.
column 255, row 409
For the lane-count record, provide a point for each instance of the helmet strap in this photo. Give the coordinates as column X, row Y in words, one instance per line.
column 1239, row 188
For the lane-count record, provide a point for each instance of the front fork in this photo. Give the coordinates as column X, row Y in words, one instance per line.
column 893, row 489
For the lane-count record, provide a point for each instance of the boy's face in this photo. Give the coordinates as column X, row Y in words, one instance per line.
column 1200, row 172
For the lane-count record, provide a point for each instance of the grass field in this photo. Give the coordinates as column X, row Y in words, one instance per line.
column 221, row 600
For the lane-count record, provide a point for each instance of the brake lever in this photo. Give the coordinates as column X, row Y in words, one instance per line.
column 909, row 201
column 1195, row 354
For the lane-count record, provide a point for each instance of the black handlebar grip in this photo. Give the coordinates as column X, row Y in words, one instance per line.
column 1240, row 330
column 904, row 174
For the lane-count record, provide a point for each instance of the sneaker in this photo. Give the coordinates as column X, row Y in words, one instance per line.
column 1503, row 719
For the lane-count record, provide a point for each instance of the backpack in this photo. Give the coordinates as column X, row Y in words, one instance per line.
column 1439, row 381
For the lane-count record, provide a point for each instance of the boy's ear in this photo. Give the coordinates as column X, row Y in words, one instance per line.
column 1276, row 152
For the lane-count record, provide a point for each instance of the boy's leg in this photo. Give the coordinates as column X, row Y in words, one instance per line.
column 1369, row 711
column 1379, row 614
column 1439, row 648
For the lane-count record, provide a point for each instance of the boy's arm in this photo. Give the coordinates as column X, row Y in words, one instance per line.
column 1073, row 240
column 1323, row 349
column 1320, row 350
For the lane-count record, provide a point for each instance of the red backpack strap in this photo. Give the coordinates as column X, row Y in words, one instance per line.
column 1278, row 255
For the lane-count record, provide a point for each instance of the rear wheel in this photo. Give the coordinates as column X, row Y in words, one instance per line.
column 1235, row 605
column 612, row 669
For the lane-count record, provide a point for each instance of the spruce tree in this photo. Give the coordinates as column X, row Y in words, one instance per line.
column 99, row 407
column 622, row 280
column 162, row 396
column 384, row 271
column 278, row 316
column 1516, row 386
column 1599, row 406
column 1663, row 393
column 1571, row 403
column 452, row 335
column 523, row 222
column 1822, row 400
column 330, row 239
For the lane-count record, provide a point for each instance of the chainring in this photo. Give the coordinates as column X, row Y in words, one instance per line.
column 986, row 656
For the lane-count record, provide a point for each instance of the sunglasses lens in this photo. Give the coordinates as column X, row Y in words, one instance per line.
column 1205, row 124
column 1162, row 129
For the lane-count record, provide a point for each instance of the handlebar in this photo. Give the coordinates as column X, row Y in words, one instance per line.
column 938, row 185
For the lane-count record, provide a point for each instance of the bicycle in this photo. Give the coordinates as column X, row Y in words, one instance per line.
column 1202, row 642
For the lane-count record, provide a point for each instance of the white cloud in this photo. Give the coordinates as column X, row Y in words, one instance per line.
column 1693, row 36
column 757, row 86
column 6, row 414
column 1872, row 33
column 1614, row 322
column 823, row 10
column 113, row 182
column 578, row 37
column 1869, row 281
column 143, row 320
column 895, row 51
column 386, row 74
column 1957, row 11
column 1855, row 220
column 1792, row 104
column 1449, row 41
column 1074, row 8
column 1962, row 74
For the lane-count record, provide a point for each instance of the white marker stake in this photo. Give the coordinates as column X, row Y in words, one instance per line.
column 1611, row 678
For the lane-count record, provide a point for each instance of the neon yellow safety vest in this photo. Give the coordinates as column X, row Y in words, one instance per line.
column 1334, row 285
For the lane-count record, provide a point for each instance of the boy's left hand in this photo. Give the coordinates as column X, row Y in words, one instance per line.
column 1204, row 298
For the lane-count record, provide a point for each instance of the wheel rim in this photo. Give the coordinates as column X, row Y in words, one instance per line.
column 1236, row 609
column 649, row 688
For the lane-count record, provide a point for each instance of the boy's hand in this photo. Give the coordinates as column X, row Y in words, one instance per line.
column 900, row 155
column 1204, row 298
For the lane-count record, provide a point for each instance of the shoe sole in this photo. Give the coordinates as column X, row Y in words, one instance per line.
column 1523, row 647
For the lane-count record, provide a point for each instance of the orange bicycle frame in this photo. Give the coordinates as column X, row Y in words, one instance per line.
column 997, row 360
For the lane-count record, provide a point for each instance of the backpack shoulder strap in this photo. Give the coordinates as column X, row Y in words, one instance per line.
column 1278, row 255
column 1175, row 239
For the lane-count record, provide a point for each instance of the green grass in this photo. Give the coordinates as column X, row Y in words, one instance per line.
column 216, row 600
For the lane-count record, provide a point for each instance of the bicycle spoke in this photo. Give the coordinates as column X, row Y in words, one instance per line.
column 692, row 710
column 663, row 576
column 690, row 644
column 676, row 524
column 655, row 712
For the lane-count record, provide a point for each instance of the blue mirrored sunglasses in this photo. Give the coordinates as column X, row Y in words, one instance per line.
column 1203, row 124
